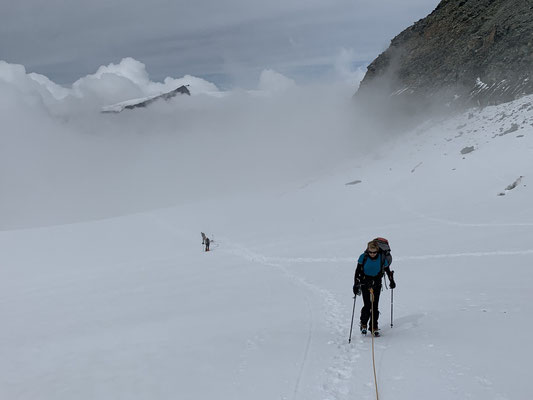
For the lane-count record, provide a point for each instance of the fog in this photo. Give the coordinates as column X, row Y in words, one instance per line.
column 62, row 160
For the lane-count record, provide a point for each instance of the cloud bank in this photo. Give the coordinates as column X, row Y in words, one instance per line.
column 62, row 160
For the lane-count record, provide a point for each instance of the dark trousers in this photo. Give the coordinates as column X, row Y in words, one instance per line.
column 366, row 311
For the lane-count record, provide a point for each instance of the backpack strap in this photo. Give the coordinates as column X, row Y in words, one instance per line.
column 365, row 258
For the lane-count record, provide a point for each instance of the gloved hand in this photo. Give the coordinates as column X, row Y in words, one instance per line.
column 356, row 289
column 392, row 284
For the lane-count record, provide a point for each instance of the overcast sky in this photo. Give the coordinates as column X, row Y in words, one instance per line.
column 228, row 42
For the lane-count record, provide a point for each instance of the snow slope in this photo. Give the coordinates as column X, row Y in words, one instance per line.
column 132, row 308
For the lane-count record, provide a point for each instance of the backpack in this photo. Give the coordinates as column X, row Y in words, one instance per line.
column 384, row 247
column 384, row 250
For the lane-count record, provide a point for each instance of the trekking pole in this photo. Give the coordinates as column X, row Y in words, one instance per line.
column 391, row 305
column 351, row 326
column 391, row 300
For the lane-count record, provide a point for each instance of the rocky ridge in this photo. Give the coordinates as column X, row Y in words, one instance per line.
column 466, row 52
column 142, row 103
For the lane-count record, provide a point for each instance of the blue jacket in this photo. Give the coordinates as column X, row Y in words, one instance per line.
column 372, row 267
column 369, row 273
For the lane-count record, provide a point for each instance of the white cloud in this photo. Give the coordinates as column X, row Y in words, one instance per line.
column 34, row 88
column 59, row 92
column 196, row 85
column 129, row 79
column 344, row 67
column 108, row 85
column 272, row 81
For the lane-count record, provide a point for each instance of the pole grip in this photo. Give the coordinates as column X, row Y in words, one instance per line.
column 391, row 306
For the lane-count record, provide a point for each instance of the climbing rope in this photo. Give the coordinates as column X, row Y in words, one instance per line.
column 372, row 333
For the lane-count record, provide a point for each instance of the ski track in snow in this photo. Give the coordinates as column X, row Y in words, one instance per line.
column 242, row 252
column 336, row 382
column 338, row 374
column 252, row 344
column 462, row 224
column 474, row 225
column 288, row 260
column 307, row 347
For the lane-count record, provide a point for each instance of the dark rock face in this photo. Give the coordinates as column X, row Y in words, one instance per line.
column 165, row 96
column 466, row 52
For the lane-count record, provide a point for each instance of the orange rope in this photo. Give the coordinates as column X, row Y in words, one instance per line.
column 372, row 333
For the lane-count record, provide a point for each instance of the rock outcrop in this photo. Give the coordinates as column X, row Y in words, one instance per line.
column 466, row 52
column 141, row 103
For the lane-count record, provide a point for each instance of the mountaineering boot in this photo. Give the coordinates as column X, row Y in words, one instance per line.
column 363, row 329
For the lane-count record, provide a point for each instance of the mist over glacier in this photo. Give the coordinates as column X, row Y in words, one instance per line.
column 64, row 161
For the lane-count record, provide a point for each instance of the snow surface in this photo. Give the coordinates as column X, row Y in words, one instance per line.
column 130, row 307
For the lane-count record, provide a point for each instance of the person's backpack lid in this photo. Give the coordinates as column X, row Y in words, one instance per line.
column 383, row 244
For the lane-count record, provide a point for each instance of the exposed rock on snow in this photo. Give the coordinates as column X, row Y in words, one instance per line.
column 512, row 185
column 416, row 166
column 514, row 127
column 353, row 182
column 468, row 149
